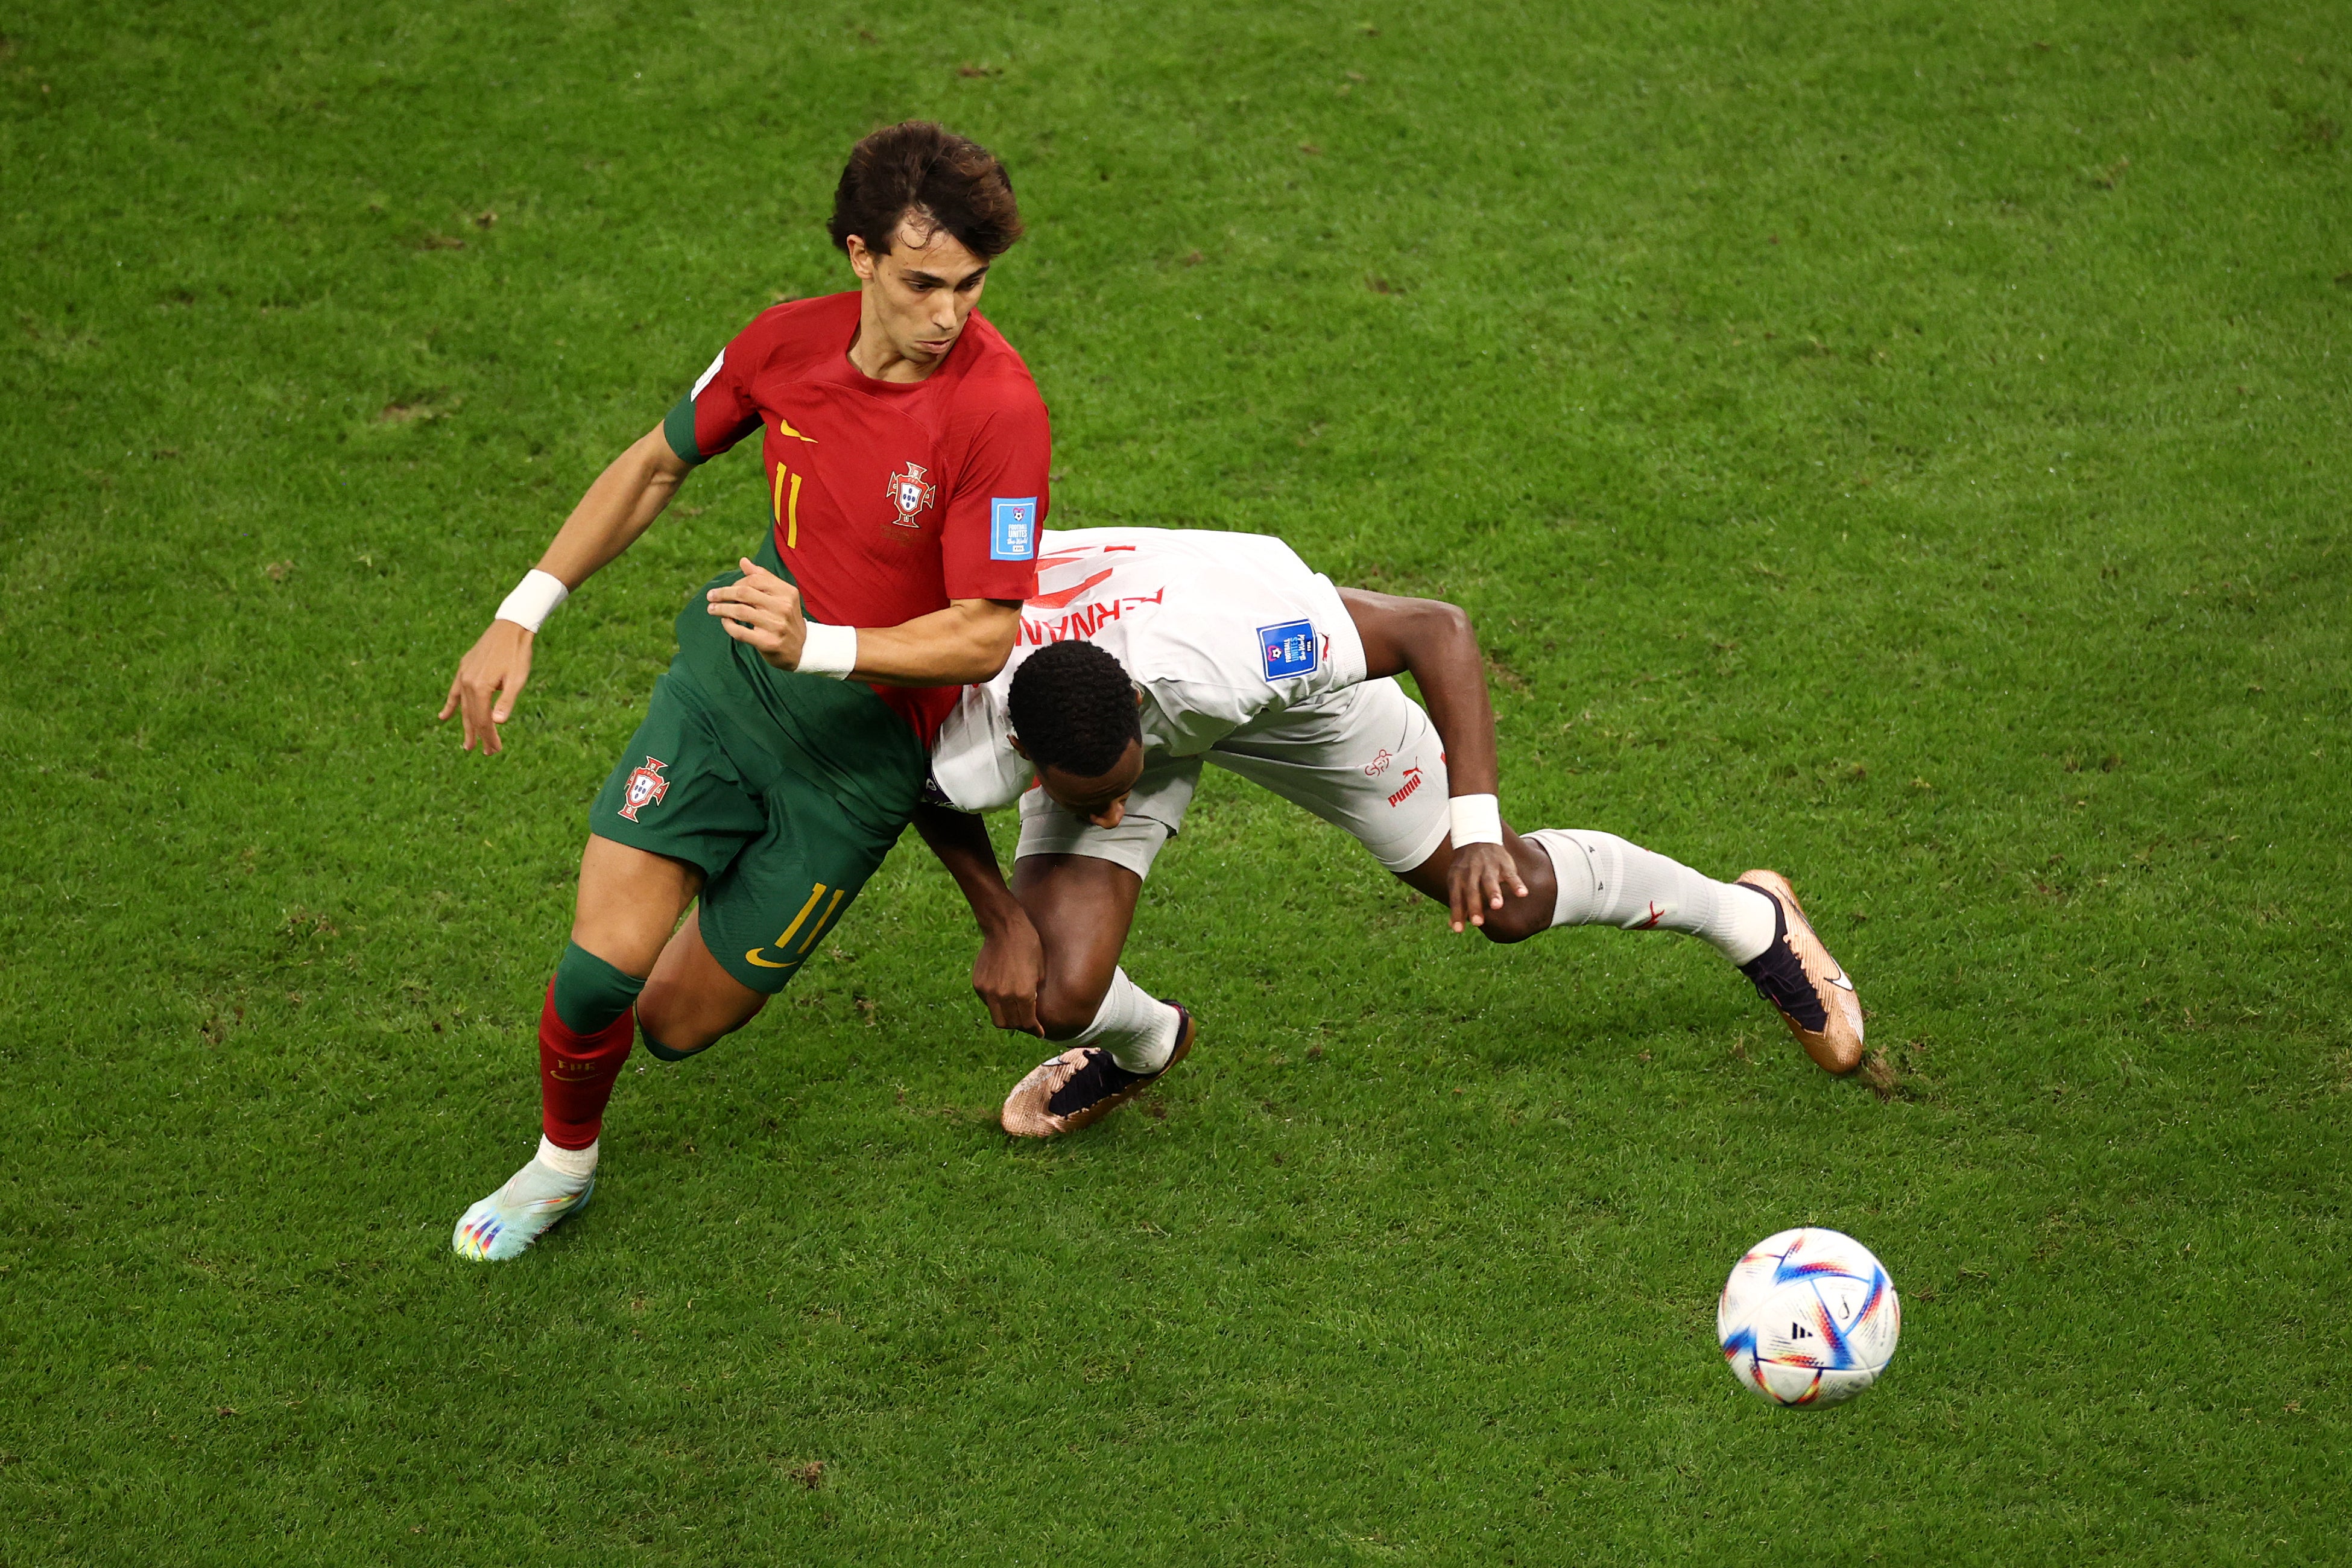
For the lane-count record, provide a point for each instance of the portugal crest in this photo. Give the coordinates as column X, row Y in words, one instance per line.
column 911, row 493
column 645, row 787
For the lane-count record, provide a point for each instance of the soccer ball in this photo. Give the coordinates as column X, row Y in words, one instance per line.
column 1809, row 1316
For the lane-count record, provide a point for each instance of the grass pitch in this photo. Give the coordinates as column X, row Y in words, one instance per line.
column 1903, row 445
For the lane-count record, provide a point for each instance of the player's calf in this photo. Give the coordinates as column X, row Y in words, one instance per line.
column 690, row 1002
column 1756, row 922
column 1065, row 1013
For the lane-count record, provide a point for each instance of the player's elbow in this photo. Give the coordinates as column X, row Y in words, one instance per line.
column 656, row 463
column 1437, row 631
column 1450, row 623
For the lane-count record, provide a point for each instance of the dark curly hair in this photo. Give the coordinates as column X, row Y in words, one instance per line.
column 1074, row 709
column 917, row 170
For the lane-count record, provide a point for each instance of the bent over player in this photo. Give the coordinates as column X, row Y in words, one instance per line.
column 906, row 452
column 1149, row 651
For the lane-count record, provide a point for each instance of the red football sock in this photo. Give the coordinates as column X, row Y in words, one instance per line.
column 576, row 1073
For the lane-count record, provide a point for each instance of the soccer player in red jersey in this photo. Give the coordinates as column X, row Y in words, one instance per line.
column 906, row 450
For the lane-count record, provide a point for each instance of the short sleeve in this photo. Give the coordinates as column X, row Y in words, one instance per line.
column 1343, row 663
column 973, row 764
column 988, row 543
column 718, row 413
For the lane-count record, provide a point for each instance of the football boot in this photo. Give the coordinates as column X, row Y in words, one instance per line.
column 1082, row 1086
column 1798, row 976
column 505, row 1224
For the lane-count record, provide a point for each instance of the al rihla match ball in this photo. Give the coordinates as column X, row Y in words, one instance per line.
column 1808, row 1318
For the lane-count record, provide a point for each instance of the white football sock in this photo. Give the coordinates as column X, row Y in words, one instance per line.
column 1604, row 880
column 579, row 1164
column 1139, row 1032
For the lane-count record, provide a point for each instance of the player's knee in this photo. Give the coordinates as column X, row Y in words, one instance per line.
column 1517, row 921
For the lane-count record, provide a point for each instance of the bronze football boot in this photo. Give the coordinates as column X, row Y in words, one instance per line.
column 1082, row 1086
column 1798, row 976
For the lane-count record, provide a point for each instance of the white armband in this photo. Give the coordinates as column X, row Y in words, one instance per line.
column 828, row 650
column 1477, row 819
column 533, row 600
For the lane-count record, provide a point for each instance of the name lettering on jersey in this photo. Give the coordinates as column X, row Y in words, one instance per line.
column 1084, row 621
column 1062, row 596
column 911, row 493
column 1011, row 528
column 1291, row 650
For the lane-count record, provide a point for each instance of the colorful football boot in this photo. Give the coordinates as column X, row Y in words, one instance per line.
column 1798, row 976
column 505, row 1224
column 1082, row 1086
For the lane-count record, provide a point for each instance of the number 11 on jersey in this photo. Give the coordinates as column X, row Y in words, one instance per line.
column 788, row 510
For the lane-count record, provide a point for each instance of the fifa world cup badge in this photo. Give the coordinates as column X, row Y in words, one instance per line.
column 911, row 493
column 645, row 787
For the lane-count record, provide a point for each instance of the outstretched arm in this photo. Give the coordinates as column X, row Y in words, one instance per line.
column 1012, row 963
column 965, row 642
column 622, row 504
column 1433, row 641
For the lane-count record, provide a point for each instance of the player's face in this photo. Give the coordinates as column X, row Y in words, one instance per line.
column 920, row 292
column 1103, row 800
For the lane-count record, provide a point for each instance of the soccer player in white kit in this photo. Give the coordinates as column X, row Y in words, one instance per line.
column 1148, row 652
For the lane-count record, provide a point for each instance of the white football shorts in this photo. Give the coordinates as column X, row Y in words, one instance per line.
column 1365, row 759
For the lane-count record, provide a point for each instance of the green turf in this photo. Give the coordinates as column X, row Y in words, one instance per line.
column 1902, row 444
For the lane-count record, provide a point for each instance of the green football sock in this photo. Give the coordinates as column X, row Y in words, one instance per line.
column 590, row 993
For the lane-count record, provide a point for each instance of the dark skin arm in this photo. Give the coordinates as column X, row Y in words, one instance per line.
column 1433, row 641
column 1011, row 968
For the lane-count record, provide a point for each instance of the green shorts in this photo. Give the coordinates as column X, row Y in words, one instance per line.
column 787, row 806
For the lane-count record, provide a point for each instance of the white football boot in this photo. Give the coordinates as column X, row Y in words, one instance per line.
column 533, row 1201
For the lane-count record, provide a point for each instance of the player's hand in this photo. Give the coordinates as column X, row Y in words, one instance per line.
column 490, row 678
column 763, row 610
column 1475, row 882
column 1008, row 973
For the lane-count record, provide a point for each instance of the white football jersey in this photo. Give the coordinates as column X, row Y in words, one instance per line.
column 1218, row 630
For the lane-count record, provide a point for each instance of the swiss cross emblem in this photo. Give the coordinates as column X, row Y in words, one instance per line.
column 645, row 787
column 910, row 492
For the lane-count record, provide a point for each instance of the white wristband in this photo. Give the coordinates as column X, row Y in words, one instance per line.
column 1477, row 819
column 829, row 650
column 533, row 600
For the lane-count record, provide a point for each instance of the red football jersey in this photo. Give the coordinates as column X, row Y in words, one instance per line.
column 890, row 497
